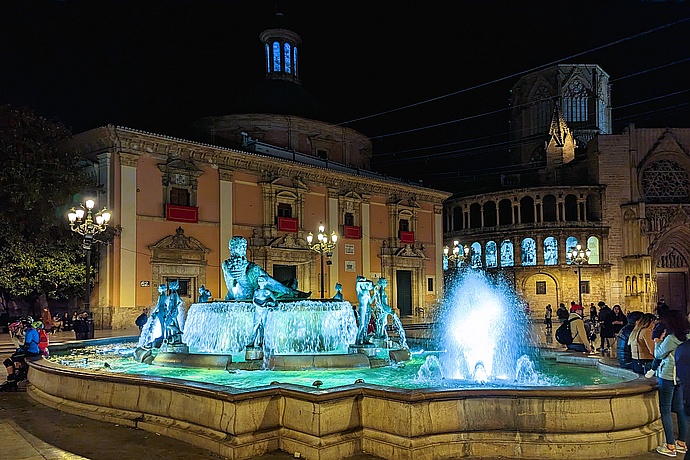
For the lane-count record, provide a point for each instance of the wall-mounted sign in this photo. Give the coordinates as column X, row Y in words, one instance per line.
column 145, row 283
column 350, row 266
column 349, row 249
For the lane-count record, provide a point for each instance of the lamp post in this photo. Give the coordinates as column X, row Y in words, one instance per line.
column 457, row 255
column 579, row 256
column 83, row 221
column 324, row 246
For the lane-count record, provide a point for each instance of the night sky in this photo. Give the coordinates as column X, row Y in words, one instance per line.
column 158, row 65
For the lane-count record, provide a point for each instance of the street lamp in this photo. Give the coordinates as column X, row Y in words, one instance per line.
column 458, row 254
column 83, row 221
column 579, row 256
column 324, row 246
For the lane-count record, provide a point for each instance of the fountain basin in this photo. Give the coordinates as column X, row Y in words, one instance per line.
column 614, row 420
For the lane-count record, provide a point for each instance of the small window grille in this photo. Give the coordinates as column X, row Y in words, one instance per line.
column 541, row 287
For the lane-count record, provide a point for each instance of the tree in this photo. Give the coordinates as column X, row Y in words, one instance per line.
column 38, row 182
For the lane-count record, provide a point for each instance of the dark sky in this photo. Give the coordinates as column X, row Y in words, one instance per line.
column 158, row 65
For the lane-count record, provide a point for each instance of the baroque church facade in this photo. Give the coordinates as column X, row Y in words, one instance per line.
column 271, row 172
column 624, row 197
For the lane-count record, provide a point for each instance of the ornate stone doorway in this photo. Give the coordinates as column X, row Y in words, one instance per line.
column 179, row 257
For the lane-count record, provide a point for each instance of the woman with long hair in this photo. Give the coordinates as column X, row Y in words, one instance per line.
column 642, row 344
column 670, row 389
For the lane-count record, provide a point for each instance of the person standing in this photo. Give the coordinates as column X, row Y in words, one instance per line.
column 607, row 332
column 670, row 388
column 47, row 320
column 547, row 317
column 614, row 323
column 562, row 313
column 642, row 344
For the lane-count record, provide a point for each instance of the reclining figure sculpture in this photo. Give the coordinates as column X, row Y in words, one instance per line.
column 241, row 276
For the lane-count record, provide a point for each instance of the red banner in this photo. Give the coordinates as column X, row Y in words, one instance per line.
column 179, row 213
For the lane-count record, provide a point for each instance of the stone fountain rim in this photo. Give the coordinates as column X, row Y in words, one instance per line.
column 638, row 385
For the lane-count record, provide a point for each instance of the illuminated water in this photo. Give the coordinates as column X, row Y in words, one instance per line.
column 483, row 341
column 304, row 326
column 117, row 358
column 484, row 330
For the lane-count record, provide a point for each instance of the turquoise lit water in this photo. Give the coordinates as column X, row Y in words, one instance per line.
column 117, row 358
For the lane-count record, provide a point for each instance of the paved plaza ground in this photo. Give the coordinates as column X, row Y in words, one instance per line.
column 31, row 431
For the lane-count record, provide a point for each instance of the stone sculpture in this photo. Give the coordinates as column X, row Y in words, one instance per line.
column 364, row 294
column 263, row 300
column 204, row 294
column 338, row 292
column 241, row 276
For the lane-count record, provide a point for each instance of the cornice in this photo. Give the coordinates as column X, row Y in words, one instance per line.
column 142, row 143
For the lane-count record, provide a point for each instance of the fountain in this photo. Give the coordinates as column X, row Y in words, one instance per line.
column 276, row 326
column 482, row 393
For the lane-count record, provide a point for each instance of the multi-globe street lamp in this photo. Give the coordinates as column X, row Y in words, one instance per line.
column 457, row 255
column 83, row 221
column 579, row 256
column 323, row 246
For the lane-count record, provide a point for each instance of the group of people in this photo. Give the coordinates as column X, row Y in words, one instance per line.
column 607, row 322
column 32, row 341
column 653, row 345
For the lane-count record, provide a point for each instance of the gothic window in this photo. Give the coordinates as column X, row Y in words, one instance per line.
column 507, row 256
column 288, row 60
column 529, row 252
column 540, row 110
column 575, row 101
column 491, row 261
column 593, row 246
column 570, row 244
column 276, row 57
column 665, row 181
column 550, row 251
column 476, row 255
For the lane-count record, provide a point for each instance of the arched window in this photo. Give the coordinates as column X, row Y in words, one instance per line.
column 529, row 252
column 570, row 208
column 550, row 251
column 507, row 254
column 475, row 215
column 505, row 212
column 268, row 59
column 276, row 57
column 593, row 208
column 294, row 60
column 476, row 255
column 491, row 261
column 570, row 244
column 527, row 210
column 457, row 218
column 575, row 102
column 489, row 214
column 593, row 246
column 549, row 208
column 288, row 57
